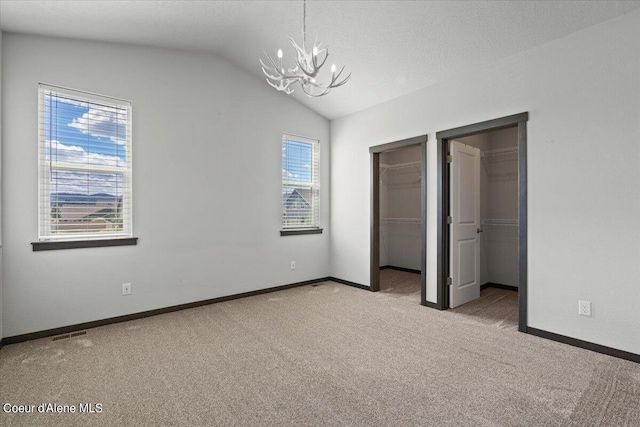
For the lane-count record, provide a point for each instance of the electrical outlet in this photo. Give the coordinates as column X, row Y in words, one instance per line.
column 126, row 289
column 584, row 308
column 293, row 265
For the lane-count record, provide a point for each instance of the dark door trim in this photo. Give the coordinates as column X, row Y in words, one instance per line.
column 375, row 211
column 443, row 185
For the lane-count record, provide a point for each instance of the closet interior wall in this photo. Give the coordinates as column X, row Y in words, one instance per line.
column 498, row 205
column 400, row 208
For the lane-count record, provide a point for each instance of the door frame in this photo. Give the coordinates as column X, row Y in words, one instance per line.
column 374, row 153
column 443, row 189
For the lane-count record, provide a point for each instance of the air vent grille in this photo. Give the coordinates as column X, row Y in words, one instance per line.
column 65, row 336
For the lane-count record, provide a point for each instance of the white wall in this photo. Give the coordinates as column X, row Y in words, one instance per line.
column 206, row 182
column 583, row 180
column 400, row 243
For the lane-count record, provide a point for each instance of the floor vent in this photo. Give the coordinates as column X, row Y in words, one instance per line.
column 65, row 336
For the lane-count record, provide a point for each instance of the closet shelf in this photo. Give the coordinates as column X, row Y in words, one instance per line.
column 499, row 152
column 401, row 175
column 401, row 220
column 505, row 222
column 400, row 165
column 501, row 164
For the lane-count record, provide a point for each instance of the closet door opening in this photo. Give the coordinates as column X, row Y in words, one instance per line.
column 482, row 231
column 398, row 219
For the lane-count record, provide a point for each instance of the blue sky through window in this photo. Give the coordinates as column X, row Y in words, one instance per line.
column 90, row 134
column 296, row 161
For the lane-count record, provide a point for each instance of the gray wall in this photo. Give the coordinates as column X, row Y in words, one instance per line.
column 206, row 182
column 581, row 93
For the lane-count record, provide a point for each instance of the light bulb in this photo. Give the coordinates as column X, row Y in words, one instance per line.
column 333, row 68
column 315, row 51
column 280, row 53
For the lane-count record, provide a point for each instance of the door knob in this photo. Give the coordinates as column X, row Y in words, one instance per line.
column 480, row 230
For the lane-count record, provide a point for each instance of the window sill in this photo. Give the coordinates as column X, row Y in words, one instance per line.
column 299, row 231
column 76, row 244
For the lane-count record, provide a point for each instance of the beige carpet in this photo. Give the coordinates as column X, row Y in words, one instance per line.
column 401, row 284
column 317, row 355
column 497, row 307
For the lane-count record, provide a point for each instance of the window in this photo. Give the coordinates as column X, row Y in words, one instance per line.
column 300, row 183
column 84, row 166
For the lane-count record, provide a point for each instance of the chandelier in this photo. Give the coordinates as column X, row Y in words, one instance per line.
column 306, row 70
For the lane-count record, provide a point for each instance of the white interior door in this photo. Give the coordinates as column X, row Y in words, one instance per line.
column 464, row 240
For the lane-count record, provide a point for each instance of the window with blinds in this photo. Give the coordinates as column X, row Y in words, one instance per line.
column 300, row 182
column 84, row 165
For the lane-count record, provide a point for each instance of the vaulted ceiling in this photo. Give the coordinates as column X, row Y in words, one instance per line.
column 391, row 47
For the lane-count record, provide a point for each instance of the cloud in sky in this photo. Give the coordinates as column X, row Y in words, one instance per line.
column 73, row 154
column 287, row 174
column 103, row 122
column 94, row 119
column 64, row 181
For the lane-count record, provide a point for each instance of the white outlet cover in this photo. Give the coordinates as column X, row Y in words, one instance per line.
column 584, row 308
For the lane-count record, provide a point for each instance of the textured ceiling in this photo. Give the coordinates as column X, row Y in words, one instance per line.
column 392, row 47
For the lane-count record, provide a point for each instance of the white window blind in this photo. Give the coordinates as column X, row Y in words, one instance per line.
column 84, row 160
column 300, row 182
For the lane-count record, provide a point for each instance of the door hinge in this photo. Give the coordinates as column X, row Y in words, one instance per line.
column 449, row 158
column 449, row 219
column 449, row 281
